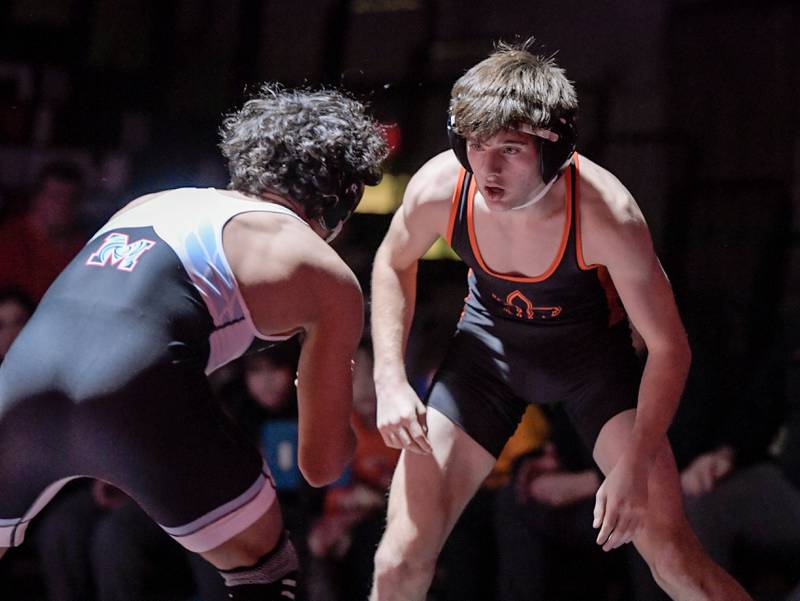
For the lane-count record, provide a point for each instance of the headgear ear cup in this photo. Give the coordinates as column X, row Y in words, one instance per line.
column 342, row 206
column 552, row 155
column 458, row 144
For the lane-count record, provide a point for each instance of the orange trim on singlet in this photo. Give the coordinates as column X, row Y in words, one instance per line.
column 578, row 247
column 454, row 202
column 616, row 312
column 473, row 240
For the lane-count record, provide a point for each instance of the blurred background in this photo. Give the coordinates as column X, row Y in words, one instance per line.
column 693, row 104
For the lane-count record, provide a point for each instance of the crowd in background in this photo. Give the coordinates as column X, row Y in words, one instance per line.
column 526, row 535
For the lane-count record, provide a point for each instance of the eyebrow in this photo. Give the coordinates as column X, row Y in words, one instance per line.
column 503, row 142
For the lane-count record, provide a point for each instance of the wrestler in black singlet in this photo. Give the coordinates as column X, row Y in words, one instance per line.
column 560, row 337
column 108, row 378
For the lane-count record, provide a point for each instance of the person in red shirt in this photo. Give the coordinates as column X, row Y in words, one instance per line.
column 37, row 245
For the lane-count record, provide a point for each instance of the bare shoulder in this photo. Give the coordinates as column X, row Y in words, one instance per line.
column 611, row 221
column 433, row 184
column 275, row 249
column 605, row 198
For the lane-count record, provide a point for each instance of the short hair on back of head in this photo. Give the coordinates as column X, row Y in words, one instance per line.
column 512, row 86
column 301, row 143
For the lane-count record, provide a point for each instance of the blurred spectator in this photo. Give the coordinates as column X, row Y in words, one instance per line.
column 36, row 246
column 543, row 521
column 95, row 544
column 468, row 566
column 343, row 540
column 741, row 505
column 15, row 309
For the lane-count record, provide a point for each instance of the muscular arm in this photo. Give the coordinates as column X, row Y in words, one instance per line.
column 617, row 237
column 422, row 217
column 650, row 304
column 304, row 285
column 324, row 377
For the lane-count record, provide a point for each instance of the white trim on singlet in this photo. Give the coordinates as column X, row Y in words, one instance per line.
column 190, row 221
column 222, row 524
column 12, row 531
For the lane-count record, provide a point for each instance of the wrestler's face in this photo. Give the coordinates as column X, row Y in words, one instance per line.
column 506, row 168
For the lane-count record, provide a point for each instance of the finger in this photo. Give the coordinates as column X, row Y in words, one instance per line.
column 635, row 528
column 422, row 416
column 610, row 541
column 599, row 507
column 404, row 438
column 609, row 523
column 419, row 437
column 407, row 443
column 620, row 535
column 390, row 439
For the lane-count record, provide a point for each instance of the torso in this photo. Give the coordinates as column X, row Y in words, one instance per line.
column 530, row 269
column 170, row 246
column 506, row 241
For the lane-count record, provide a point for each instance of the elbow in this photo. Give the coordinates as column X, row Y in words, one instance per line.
column 318, row 476
column 327, row 465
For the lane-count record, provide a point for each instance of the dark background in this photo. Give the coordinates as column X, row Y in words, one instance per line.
column 692, row 104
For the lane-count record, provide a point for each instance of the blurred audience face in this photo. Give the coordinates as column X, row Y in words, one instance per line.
column 55, row 203
column 364, row 399
column 269, row 384
column 13, row 316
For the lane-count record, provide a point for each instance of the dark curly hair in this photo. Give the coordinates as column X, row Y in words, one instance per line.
column 309, row 145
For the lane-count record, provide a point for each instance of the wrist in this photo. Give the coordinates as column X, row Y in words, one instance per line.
column 390, row 377
column 643, row 447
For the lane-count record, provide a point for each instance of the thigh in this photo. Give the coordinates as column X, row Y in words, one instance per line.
column 168, row 445
column 472, row 391
column 429, row 492
column 666, row 517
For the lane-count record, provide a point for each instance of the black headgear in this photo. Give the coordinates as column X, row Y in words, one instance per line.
column 338, row 207
column 552, row 155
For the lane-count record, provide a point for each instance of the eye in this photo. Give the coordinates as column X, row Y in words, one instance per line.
column 510, row 150
column 475, row 146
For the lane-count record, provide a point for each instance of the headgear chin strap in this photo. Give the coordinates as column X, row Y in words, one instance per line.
column 555, row 144
column 543, row 189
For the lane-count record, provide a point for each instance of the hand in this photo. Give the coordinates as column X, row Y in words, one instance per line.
column 703, row 473
column 559, row 489
column 621, row 503
column 401, row 419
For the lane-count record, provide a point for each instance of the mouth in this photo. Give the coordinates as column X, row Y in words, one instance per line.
column 494, row 191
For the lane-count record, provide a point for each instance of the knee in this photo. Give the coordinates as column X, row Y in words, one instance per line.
column 671, row 554
column 404, row 556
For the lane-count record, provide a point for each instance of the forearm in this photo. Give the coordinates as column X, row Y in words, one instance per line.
column 393, row 295
column 660, row 391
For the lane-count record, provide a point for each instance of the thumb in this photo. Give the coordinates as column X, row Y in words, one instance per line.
column 599, row 506
column 422, row 416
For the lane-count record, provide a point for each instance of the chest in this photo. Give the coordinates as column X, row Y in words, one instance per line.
column 520, row 246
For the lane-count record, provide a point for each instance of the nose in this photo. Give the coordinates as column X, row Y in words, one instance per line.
column 494, row 163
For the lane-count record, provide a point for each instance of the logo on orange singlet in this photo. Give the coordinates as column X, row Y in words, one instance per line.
column 520, row 306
